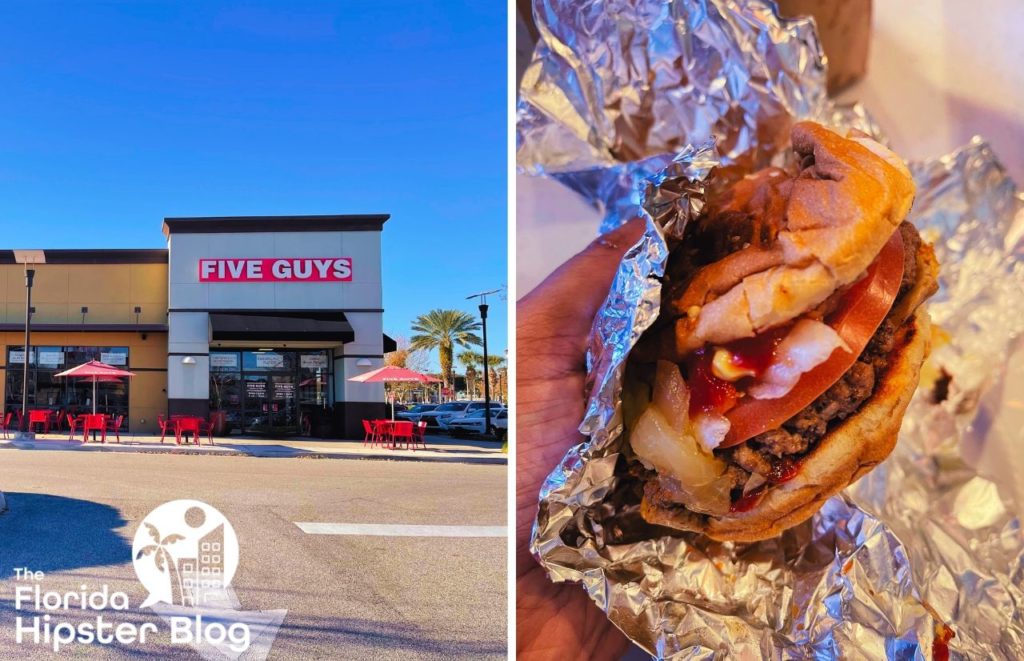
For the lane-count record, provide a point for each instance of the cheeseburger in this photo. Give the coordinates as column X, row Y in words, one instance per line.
column 790, row 340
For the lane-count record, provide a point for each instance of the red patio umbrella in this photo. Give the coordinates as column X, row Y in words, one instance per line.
column 393, row 374
column 96, row 372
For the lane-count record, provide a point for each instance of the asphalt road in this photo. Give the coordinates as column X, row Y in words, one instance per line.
column 74, row 515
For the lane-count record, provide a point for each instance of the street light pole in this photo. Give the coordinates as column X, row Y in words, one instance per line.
column 29, row 258
column 29, row 276
column 487, row 380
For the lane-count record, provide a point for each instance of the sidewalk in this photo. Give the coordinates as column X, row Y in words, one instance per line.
column 440, row 448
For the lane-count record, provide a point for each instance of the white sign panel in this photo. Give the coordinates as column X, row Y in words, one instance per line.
column 224, row 360
column 18, row 357
column 313, row 362
column 50, row 358
column 114, row 358
column 269, row 360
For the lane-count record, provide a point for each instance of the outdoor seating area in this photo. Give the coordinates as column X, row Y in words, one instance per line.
column 45, row 421
column 96, row 426
column 390, row 433
column 185, row 426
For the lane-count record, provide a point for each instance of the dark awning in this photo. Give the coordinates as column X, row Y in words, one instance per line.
column 309, row 325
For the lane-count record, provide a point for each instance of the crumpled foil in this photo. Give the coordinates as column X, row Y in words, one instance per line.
column 922, row 542
column 617, row 87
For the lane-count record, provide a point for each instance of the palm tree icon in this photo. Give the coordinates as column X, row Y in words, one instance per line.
column 162, row 558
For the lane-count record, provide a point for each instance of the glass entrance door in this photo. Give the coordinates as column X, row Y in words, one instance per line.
column 255, row 412
column 283, row 414
column 270, row 392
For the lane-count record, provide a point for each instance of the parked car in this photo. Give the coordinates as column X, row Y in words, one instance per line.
column 474, row 422
column 472, row 407
column 500, row 424
column 439, row 417
column 415, row 412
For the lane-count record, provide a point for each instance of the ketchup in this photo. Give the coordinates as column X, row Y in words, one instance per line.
column 784, row 470
column 757, row 353
column 746, row 503
column 708, row 393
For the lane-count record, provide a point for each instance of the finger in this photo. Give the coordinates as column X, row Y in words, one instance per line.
column 564, row 304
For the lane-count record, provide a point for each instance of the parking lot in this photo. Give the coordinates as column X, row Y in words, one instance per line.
column 406, row 561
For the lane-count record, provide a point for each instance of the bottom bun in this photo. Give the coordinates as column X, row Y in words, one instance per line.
column 840, row 458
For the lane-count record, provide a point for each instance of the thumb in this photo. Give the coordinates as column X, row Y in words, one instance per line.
column 562, row 308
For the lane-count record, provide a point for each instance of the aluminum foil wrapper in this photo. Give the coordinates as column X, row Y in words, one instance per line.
column 617, row 87
column 924, row 542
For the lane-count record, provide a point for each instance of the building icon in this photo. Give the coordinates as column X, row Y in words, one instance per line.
column 202, row 577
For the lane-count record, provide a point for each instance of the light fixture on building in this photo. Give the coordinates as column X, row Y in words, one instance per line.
column 364, row 362
column 138, row 311
column 28, row 258
column 188, row 360
column 85, row 311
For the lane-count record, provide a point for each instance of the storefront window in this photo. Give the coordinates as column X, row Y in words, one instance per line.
column 266, row 361
column 66, row 395
column 313, row 381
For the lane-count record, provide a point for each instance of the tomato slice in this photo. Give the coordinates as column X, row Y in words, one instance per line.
column 857, row 317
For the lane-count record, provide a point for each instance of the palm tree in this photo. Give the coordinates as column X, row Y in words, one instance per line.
column 494, row 363
column 163, row 559
column 502, row 383
column 471, row 360
column 443, row 330
column 469, row 363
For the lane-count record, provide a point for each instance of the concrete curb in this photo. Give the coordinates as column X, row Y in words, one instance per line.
column 57, row 446
column 496, row 461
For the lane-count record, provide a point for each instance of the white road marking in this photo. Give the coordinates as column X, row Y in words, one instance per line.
column 389, row 530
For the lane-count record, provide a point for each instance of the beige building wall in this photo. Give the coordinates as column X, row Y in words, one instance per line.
column 111, row 292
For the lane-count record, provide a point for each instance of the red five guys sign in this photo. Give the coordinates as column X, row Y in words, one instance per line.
column 276, row 269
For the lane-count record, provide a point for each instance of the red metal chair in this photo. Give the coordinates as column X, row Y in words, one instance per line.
column 370, row 435
column 187, row 426
column 420, row 435
column 5, row 423
column 73, row 424
column 21, row 419
column 401, row 430
column 95, row 423
column 205, row 427
column 164, row 426
column 115, row 426
column 384, row 430
column 39, row 417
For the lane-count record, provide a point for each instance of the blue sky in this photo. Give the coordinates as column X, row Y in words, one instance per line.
column 116, row 114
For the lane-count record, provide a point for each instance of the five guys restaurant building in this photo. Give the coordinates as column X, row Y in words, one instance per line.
column 263, row 318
